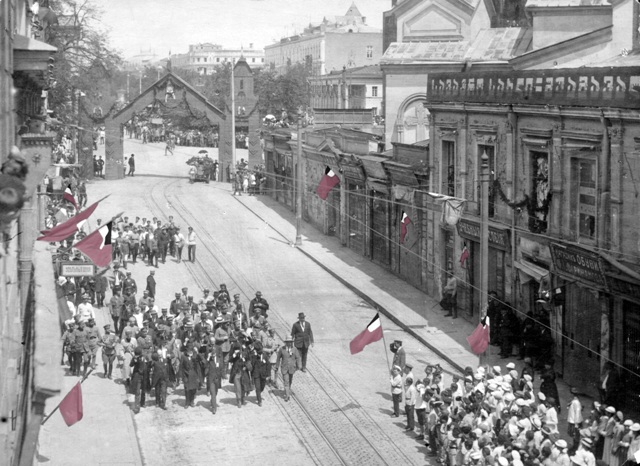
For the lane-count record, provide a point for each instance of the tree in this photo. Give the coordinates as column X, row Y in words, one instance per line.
column 84, row 60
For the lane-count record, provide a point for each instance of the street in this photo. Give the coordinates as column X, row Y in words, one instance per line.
column 340, row 411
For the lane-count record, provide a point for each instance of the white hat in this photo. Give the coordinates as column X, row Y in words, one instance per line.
column 635, row 427
column 541, row 396
column 610, row 409
column 497, row 369
column 502, row 461
column 527, row 377
column 511, row 366
column 61, row 280
column 513, row 373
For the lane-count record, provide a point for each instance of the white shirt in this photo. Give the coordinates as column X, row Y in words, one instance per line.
column 86, row 312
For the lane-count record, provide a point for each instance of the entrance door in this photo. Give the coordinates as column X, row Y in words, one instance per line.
column 380, row 225
column 631, row 356
column 582, row 327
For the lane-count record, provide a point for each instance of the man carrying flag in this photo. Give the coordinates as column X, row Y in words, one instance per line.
column 97, row 246
column 327, row 183
column 68, row 196
column 371, row 334
column 404, row 223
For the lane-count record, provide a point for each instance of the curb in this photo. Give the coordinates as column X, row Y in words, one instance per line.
column 377, row 306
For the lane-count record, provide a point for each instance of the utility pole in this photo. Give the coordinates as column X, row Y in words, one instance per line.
column 128, row 92
column 299, row 181
column 233, row 121
column 485, row 179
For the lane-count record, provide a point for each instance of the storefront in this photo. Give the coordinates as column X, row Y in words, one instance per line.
column 499, row 246
column 357, row 218
column 580, row 274
column 380, row 208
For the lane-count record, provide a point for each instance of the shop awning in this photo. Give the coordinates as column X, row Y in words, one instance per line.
column 530, row 271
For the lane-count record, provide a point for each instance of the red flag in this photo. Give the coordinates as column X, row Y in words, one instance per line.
column 68, row 228
column 372, row 333
column 97, row 246
column 71, row 406
column 479, row 339
column 404, row 223
column 327, row 183
column 464, row 256
column 68, row 196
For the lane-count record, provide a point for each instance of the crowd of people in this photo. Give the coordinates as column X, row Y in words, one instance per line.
column 198, row 343
column 493, row 416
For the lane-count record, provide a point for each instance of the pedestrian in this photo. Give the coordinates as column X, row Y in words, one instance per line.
column 288, row 361
column 410, row 398
column 450, row 293
column 68, row 340
column 191, row 244
column 179, row 244
column 214, row 371
column 93, row 343
column 138, row 376
column 151, row 284
column 100, row 164
column 132, row 165
column 159, row 378
column 258, row 303
column 399, row 355
column 240, row 375
column 101, row 285
column 108, row 343
column 396, row 390
column 261, row 370
column 189, row 374
column 303, row 338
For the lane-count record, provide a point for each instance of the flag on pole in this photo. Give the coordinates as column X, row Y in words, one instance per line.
column 71, row 406
column 68, row 196
column 97, row 246
column 464, row 256
column 404, row 223
column 68, row 228
column 372, row 333
column 327, row 183
column 479, row 339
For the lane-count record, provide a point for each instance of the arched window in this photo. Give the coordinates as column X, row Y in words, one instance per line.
column 412, row 124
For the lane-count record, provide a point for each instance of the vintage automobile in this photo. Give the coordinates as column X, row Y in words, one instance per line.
column 201, row 167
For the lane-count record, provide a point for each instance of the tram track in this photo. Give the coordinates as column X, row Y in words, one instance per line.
column 323, row 413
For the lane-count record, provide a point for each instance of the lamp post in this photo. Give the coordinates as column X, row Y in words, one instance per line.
column 128, row 95
column 484, row 240
column 299, row 181
column 233, row 121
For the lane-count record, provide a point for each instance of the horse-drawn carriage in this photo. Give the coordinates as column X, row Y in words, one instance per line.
column 201, row 167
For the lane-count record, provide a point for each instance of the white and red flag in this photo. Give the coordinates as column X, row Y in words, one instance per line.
column 404, row 223
column 68, row 196
column 329, row 181
column 97, row 246
column 479, row 339
column 372, row 333
column 71, row 406
column 68, row 228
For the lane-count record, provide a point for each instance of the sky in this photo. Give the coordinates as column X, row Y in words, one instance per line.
column 164, row 25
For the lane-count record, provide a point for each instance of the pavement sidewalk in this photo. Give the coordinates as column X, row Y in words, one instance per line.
column 417, row 313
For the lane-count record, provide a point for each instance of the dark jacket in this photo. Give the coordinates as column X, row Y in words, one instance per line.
column 261, row 367
column 214, row 370
column 302, row 338
column 189, row 371
column 159, row 372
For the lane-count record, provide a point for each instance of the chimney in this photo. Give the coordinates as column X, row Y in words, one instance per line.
column 250, row 45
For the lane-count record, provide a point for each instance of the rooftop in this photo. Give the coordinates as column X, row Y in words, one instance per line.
column 565, row 3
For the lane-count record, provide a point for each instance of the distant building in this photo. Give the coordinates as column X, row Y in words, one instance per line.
column 144, row 58
column 204, row 58
column 348, row 89
column 329, row 46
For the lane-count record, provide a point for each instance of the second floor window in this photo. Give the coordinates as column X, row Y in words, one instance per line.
column 374, row 91
column 369, row 51
column 584, row 173
column 449, row 161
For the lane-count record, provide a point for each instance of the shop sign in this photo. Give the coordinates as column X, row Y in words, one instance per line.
column 578, row 263
column 471, row 230
column 623, row 287
column 77, row 269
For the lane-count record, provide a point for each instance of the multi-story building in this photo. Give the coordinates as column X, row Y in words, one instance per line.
column 329, row 46
column 204, row 58
column 30, row 346
column 350, row 88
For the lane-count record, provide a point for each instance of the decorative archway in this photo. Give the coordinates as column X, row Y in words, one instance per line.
column 412, row 122
column 168, row 87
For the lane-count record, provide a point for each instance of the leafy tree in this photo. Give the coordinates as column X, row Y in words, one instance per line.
column 84, row 61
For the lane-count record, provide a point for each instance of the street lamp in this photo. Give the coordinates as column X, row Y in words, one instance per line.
column 484, row 239
column 299, row 181
column 140, row 82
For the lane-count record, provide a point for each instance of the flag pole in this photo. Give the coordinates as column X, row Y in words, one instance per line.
column 385, row 349
column 58, row 407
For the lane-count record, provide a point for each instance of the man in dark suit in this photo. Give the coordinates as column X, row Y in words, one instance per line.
column 189, row 375
column 151, row 284
column 303, row 338
column 159, row 378
column 289, row 361
column 214, row 371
